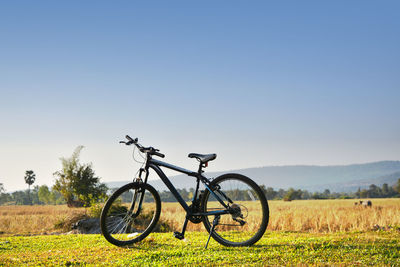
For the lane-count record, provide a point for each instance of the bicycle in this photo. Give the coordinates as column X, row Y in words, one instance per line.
column 237, row 204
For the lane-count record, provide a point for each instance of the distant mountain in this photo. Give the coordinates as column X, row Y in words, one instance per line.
column 353, row 186
column 340, row 178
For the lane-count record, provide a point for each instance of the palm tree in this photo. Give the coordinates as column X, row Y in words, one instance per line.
column 30, row 177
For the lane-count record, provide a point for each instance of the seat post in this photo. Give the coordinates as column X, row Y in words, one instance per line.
column 200, row 171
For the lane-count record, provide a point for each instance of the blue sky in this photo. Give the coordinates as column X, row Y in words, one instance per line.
column 259, row 83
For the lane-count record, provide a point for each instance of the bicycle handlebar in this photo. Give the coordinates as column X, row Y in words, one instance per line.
column 150, row 150
column 130, row 138
column 159, row 154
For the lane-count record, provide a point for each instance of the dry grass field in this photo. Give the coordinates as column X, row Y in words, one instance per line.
column 25, row 220
column 318, row 216
column 333, row 215
column 313, row 215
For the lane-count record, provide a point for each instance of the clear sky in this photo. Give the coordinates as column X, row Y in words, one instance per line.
column 257, row 82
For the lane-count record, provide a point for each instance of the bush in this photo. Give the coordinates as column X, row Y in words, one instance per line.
column 65, row 223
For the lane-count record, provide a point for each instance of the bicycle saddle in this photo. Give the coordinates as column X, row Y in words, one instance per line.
column 203, row 158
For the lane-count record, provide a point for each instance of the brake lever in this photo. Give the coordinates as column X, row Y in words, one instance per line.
column 126, row 143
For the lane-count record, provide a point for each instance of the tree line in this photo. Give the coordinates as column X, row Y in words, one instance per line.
column 41, row 195
column 373, row 191
column 77, row 185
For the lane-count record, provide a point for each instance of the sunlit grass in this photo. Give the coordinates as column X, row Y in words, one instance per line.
column 162, row 249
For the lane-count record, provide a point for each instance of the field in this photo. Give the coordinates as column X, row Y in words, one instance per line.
column 316, row 232
column 275, row 248
column 316, row 216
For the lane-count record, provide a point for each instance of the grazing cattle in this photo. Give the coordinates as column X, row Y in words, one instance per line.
column 367, row 203
column 364, row 203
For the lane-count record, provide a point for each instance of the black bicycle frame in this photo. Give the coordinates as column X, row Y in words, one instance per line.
column 155, row 165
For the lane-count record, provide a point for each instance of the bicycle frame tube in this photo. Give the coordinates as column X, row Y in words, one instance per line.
column 154, row 164
column 172, row 167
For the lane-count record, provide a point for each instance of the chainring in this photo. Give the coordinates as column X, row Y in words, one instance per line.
column 195, row 218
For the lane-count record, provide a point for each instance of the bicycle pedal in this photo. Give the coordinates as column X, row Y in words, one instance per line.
column 178, row 235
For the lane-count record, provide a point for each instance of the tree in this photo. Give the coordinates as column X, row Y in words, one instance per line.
column 4, row 197
column 364, row 193
column 397, row 186
column 44, row 194
column 34, row 197
column 358, row 193
column 374, row 191
column 30, row 178
column 21, row 197
column 292, row 195
column 385, row 190
column 77, row 182
column 305, row 194
column 326, row 193
column 269, row 192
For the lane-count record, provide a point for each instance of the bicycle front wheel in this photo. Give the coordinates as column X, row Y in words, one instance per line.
column 130, row 214
column 249, row 215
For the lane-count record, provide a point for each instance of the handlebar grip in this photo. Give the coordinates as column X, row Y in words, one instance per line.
column 129, row 138
column 158, row 154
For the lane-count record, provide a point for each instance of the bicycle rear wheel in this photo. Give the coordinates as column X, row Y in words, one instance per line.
column 130, row 214
column 247, row 224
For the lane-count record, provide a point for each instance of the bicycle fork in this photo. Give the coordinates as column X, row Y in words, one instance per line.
column 138, row 195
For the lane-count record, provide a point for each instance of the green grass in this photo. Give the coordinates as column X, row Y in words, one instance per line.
column 275, row 248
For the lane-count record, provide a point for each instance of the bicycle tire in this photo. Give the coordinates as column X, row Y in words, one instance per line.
column 122, row 227
column 229, row 231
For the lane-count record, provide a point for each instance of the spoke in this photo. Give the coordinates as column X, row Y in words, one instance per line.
column 114, row 224
column 123, row 228
column 126, row 221
column 111, row 224
column 251, row 195
column 118, row 214
column 129, row 222
column 118, row 224
column 116, row 227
